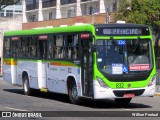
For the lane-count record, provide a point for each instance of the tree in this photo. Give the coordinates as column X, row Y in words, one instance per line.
column 140, row 12
column 5, row 3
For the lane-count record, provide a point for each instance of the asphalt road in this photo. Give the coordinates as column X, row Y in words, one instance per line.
column 12, row 99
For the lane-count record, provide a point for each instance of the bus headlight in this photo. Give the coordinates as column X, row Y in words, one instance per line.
column 152, row 81
column 102, row 83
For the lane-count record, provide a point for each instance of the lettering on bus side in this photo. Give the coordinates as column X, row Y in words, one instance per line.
column 69, row 70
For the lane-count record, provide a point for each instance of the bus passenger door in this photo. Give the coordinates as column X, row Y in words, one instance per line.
column 87, row 68
column 42, row 63
column 14, row 62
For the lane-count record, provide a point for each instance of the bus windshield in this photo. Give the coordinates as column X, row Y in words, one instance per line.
column 127, row 56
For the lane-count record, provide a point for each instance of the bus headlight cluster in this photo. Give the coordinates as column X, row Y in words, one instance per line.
column 102, row 83
column 152, row 81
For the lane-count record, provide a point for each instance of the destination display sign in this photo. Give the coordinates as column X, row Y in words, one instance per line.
column 121, row 31
column 15, row 38
column 43, row 37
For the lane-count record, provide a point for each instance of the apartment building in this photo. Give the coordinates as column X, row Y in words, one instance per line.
column 52, row 13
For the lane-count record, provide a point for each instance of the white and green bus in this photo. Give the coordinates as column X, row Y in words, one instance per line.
column 101, row 61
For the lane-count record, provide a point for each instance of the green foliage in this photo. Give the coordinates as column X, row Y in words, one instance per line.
column 5, row 3
column 140, row 12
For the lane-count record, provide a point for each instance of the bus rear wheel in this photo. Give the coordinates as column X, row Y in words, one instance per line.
column 26, row 88
column 73, row 94
column 123, row 101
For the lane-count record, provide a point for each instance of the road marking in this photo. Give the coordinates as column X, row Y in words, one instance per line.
column 14, row 109
column 126, row 109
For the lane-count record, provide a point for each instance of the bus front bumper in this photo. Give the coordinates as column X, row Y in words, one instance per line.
column 105, row 93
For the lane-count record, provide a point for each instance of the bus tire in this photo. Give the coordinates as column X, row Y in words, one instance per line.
column 123, row 101
column 26, row 88
column 73, row 94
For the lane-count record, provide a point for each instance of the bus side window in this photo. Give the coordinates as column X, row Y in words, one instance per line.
column 54, row 47
column 33, row 47
column 69, row 46
column 51, row 48
column 72, row 46
column 76, row 53
column 7, row 47
column 14, row 50
column 50, row 54
column 60, row 46
column 24, row 47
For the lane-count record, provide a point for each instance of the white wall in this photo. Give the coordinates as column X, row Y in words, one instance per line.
column 7, row 24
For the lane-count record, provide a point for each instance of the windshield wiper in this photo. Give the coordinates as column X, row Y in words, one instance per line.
column 113, row 41
column 135, row 47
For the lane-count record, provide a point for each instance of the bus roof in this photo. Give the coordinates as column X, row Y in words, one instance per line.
column 74, row 28
column 127, row 25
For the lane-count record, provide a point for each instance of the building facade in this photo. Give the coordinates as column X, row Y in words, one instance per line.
column 52, row 13
column 10, row 19
column 12, row 11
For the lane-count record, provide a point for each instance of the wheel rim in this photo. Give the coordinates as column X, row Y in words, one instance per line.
column 74, row 93
column 25, row 86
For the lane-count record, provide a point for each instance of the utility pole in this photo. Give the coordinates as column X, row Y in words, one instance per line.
column 107, row 17
column 92, row 15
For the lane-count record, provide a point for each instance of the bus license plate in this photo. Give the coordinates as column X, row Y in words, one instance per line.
column 131, row 95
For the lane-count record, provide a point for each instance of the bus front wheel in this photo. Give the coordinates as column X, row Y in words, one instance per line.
column 123, row 101
column 73, row 94
column 26, row 88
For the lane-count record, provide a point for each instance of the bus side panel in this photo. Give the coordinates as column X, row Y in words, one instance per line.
column 19, row 73
column 41, row 71
column 10, row 70
column 57, row 78
column 7, row 73
column 14, row 74
column 33, row 75
column 31, row 68
column 56, row 81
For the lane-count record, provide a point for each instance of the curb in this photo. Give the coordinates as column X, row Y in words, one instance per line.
column 157, row 94
column 158, row 88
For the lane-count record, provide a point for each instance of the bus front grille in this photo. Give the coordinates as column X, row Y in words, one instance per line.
column 121, row 93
